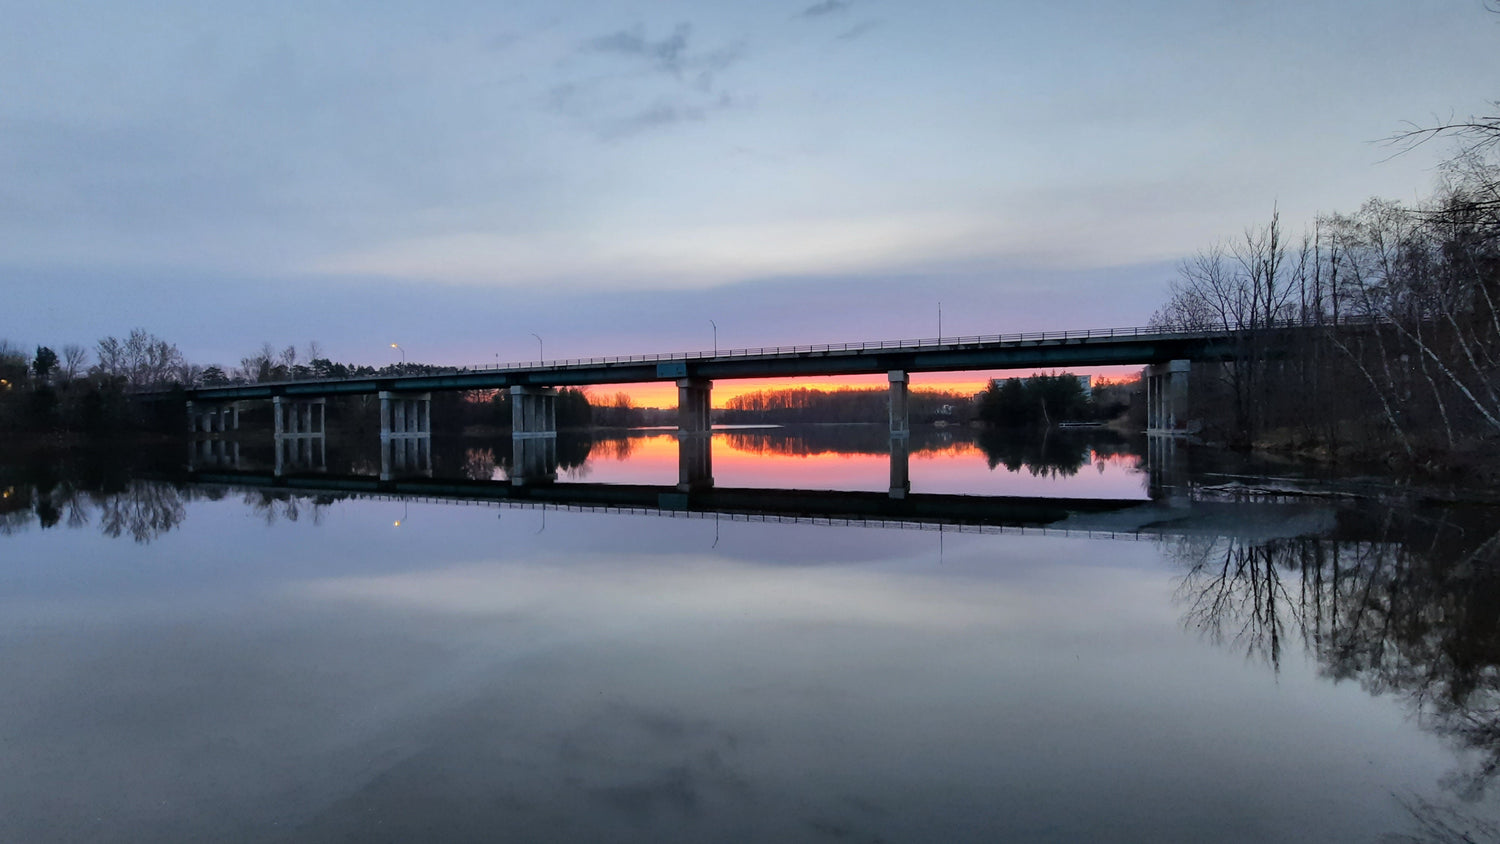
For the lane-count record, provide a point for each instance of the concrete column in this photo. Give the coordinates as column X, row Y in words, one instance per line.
column 1177, row 394
column 236, row 410
column 900, row 425
column 532, row 413
column 1149, row 378
column 694, row 405
column 278, row 412
column 192, row 419
column 695, row 461
column 1167, row 396
column 385, row 415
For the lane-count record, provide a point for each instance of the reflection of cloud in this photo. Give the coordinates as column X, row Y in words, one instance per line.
column 630, row 589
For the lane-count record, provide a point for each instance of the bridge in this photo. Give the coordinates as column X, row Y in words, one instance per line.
column 405, row 398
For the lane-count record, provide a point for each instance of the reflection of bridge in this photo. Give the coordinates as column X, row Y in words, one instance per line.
column 1106, row 517
column 406, row 398
column 535, row 462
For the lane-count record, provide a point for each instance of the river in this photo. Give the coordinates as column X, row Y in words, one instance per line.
column 1243, row 654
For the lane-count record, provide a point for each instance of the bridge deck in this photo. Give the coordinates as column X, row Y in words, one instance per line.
column 1095, row 347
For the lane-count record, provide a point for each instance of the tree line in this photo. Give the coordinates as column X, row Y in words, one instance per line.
column 1403, row 306
column 799, row 405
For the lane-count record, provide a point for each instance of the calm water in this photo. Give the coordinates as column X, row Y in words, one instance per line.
column 194, row 658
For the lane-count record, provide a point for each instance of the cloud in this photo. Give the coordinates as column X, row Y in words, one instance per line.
column 858, row 30
column 670, row 55
column 827, row 7
column 661, row 115
column 615, row 105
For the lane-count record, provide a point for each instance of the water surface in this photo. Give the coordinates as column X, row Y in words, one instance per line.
column 190, row 660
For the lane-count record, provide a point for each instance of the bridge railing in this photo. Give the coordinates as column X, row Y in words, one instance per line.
column 919, row 344
column 923, row 344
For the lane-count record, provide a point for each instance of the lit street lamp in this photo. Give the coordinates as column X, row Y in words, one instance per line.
column 397, row 347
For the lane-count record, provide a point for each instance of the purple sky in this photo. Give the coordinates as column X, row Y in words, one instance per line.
column 456, row 176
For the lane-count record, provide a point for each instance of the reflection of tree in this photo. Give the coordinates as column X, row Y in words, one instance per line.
column 1410, row 608
column 479, row 464
column 617, row 449
column 573, row 450
column 144, row 509
column 1052, row 454
column 1234, row 594
column 274, row 506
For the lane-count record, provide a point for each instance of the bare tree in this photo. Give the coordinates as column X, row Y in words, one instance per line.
column 75, row 361
column 142, row 359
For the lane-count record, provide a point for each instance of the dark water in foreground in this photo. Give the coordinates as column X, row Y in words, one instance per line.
column 193, row 659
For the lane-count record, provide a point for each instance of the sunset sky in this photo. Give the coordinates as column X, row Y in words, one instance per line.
column 473, row 180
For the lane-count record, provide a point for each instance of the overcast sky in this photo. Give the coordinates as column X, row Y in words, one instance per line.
column 456, row 176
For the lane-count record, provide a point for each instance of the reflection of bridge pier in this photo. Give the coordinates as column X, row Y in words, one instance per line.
column 301, row 453
column 1167, row 468
column 213, row 454
column 695, row 461
column 405, row 455
column 533, row 459
column 900, row 466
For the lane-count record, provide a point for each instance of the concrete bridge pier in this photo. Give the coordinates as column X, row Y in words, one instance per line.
column 214, row 418
column 405, row 414
column 694, row 405
column 900, row 466
column 300, row 425
column 900, row 422
column 299, row 417
column 1167, row 397
column 533, row 460
column 695, row 461
column 533, row 412
column 405, row 434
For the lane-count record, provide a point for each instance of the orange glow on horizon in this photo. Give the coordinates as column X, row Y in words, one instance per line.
column 663, row 394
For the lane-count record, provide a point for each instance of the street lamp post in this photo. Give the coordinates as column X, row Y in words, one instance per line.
column 540, row 355
column 716, row 336
column 397, row 347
